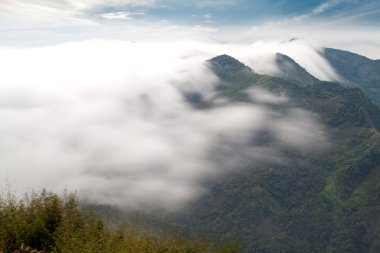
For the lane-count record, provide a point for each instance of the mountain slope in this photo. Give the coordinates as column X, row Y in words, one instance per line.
column 357, row 70
column 315, row 202
column 292, row 71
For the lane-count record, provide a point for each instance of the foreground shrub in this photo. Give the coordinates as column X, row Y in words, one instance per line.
column 45, row 222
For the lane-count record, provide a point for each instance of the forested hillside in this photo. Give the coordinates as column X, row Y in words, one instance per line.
column 327, row 201
column 357, row 71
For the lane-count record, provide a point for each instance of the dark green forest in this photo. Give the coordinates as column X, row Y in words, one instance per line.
column 315, row 202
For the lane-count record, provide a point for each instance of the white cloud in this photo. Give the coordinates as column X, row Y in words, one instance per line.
column 260, row 56
column 208, row 3
column 123, row 15
column 326, row 6
column 108, row 118
column 49, row 13
column 208, row 18
column 90, row 4
column 20, row 14
column 319, row 9
column 264, row 96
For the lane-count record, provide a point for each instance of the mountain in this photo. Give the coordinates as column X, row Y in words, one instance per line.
column 357, row 70
column 226, row 66
column 292, row 71
column 229, row 69
column 315, row 202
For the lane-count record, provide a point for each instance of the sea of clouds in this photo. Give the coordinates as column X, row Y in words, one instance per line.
column 108, row 118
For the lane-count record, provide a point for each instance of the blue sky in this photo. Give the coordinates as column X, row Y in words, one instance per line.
column 241, row 12
column 332, row 22
column 215, row 13
column 248, row 12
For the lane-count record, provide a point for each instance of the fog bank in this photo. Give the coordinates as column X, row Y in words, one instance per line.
column 108, row 118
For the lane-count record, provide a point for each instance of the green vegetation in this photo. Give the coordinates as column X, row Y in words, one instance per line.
column 292, row 71
column 326, row 201
column 48, row 223
column 357, row 70
column 315, row 202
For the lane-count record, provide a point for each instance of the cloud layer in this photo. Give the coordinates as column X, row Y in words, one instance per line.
column 109, row 119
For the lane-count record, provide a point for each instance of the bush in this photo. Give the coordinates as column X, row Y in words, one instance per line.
column 49, row 223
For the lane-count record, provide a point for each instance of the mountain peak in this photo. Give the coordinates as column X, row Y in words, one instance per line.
column 226, row 66
column 292, row 71
column 294, row 39
column 226, row 61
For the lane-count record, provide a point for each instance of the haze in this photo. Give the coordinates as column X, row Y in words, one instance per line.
column 91, row 94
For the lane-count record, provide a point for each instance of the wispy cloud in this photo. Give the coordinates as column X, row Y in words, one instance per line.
column 37, row 13
column 121, row 15
column 320, row 9
column 326, row 6
column 359, row 12
column 208, row 18
column 90, row 4
column 208, row 3
column 47, row 13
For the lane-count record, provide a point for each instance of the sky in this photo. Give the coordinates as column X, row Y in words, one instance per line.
column 92, row 91
column 44, row 13
column 347, row 24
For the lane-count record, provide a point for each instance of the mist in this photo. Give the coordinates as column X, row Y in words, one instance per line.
column 108, row 118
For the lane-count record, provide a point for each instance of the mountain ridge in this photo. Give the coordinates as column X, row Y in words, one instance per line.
column 313, row 203
column 292, row 71
column 357, row 70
